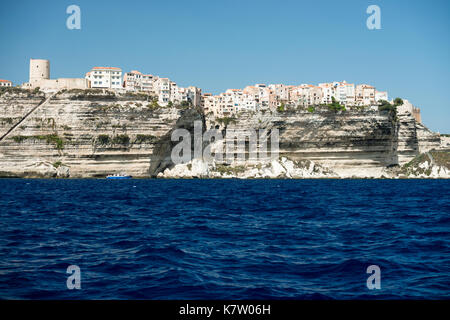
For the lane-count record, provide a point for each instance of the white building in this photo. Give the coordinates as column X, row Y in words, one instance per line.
column 364, row 95
column 306, row 95
column 261, row 97
column 168, row 91
column 328, row 91
column 105, row 77
column 137, row 81
column 162, row 89
column 194, row 95
column 209, row 103
column 381, row 95
column 281, row 91
column 345, row 93
column 5, row 83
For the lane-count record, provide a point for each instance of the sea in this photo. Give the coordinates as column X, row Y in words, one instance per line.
column 224, row 239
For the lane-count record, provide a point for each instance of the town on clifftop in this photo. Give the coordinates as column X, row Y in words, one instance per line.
column 258, row 97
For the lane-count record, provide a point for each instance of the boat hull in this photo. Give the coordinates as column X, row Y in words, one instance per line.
column 125, row 177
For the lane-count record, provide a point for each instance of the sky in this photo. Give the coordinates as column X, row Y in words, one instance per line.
column 221, row 44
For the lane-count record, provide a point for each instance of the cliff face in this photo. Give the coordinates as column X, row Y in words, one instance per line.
column 351, row 143
column 92, row 135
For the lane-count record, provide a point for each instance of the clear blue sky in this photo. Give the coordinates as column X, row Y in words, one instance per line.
column 220, row 44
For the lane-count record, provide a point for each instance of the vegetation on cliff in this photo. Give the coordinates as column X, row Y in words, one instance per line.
column 49, row 138
column 335, row 105
column 145, row 138
column 120, row 139
column 90, row 94
column 21, row 91
column 384, row 105
column 281, row 107
column 423, row 163
column 225, row 121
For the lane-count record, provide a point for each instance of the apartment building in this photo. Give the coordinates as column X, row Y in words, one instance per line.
column 364, row 95
column 105, row 77
column 306, row 95
column 162, row 89
column 281, row 92
column 344, row 93
column 207, row 102
column 328, row 91
column 194, row 95
column 137, row 81
column 381, row 95
column 262, row 97
column 5, row 83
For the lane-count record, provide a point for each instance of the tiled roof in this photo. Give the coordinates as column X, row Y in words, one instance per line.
column 106, row 68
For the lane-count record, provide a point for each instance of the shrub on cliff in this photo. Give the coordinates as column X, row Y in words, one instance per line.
column 384, row 105
column 17, row 90
column 122, row 139
column 398, row 102
column 103, row 139
column 92, row 94
column 19, row 139
column 49, row 138
column 184, row 105
column 281, row 108
column 55, row 139
column 141, row 96
column 153, row 104
column 57, row 164
column 144, row 138
column 226, row 120
column 335, row 105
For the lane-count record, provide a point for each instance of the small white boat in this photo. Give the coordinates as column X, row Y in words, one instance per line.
column 118, row 176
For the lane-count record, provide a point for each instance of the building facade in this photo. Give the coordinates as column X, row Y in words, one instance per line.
column 5, row 83
column 105, row 77
column 262, row 97
column 137, row 81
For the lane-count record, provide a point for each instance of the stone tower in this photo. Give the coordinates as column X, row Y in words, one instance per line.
column 39, row 70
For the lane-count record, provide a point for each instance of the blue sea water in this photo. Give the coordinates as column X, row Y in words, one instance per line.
column 224, row 239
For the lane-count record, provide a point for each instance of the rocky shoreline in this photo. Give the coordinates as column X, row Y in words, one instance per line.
column 419, row 168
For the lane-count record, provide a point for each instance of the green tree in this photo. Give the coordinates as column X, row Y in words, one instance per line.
column 335, row 105
column 398, row 102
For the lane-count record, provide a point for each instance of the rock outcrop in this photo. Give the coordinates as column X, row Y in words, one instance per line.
column 84, row 133
column 91, row 134
column 282, row 168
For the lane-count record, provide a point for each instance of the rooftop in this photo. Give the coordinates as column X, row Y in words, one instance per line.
column 106, row 68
